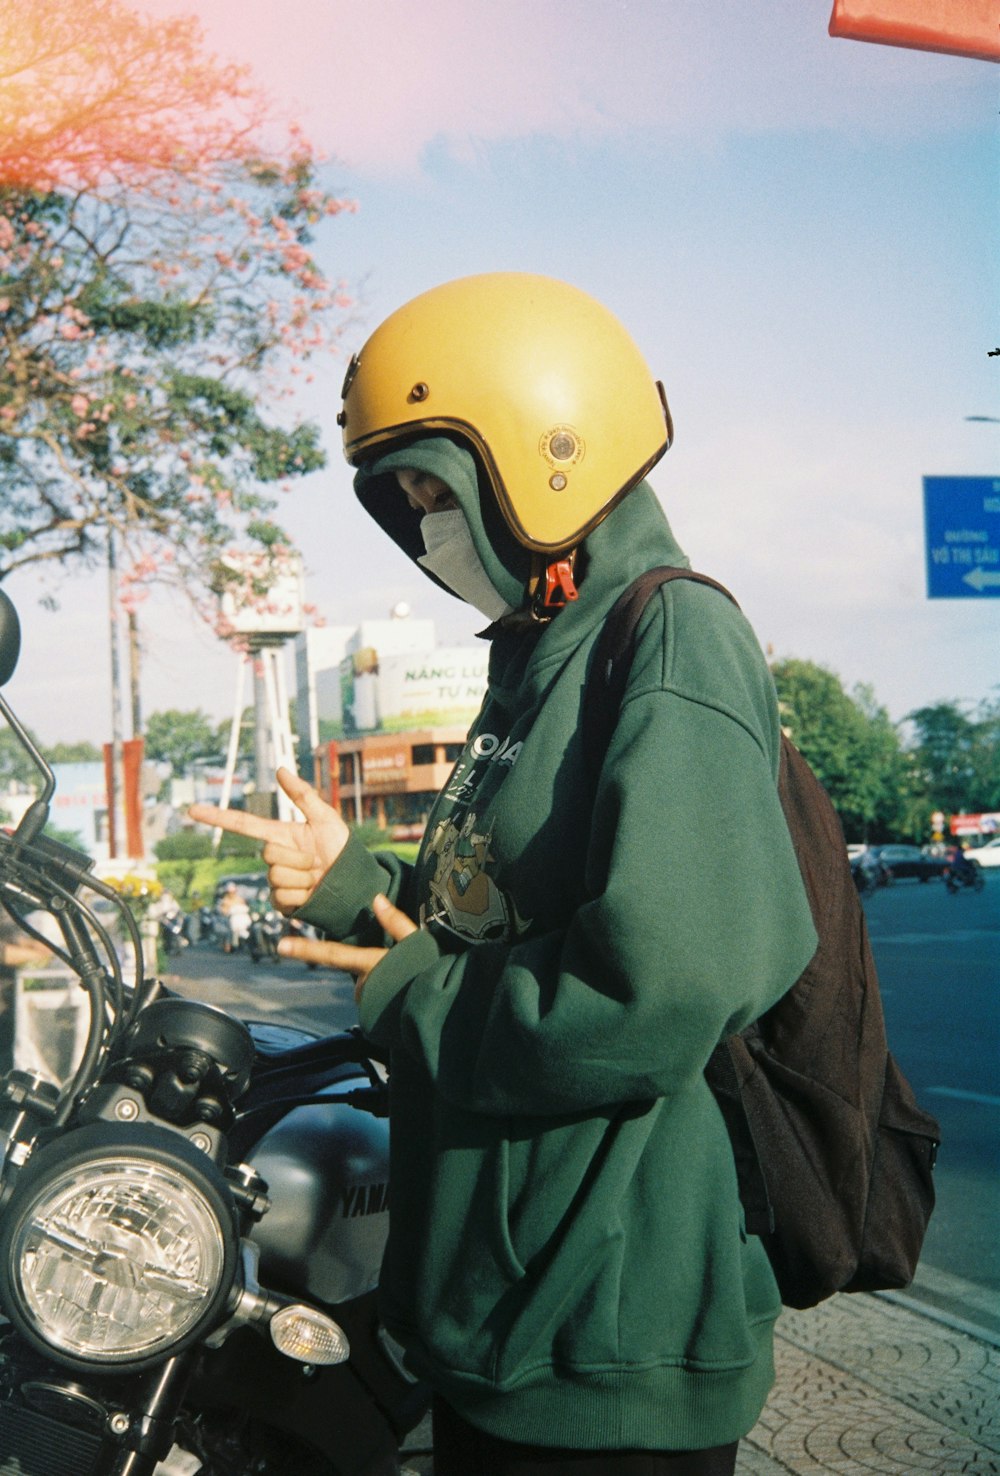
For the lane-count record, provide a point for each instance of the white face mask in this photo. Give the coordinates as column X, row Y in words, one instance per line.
column 451, row 557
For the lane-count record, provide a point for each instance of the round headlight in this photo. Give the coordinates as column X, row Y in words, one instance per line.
column 117, row 1246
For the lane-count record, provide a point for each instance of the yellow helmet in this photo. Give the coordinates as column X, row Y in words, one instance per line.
column 543, row 381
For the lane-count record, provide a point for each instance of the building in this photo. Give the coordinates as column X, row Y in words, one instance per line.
column 80, row 805
column 388, row 779
column 387, row 711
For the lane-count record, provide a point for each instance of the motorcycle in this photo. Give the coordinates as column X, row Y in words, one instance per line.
column 970, row 875
column 869, row 874
column 267, row 928
column 191, row 1223
column 173, row 933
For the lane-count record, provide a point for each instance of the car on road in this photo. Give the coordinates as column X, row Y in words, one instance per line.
column 987, row 855
column 905, row 861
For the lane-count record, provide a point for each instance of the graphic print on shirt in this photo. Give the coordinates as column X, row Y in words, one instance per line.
column 484, row 747
column 465, row 898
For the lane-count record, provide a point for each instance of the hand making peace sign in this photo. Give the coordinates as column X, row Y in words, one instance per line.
column 297, row 855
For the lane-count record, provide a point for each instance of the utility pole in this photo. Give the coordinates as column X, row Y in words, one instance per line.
column 134, row 672
column 116, row 814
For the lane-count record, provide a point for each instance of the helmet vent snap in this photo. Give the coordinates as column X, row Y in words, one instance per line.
column 562, row 447
column 419, row 392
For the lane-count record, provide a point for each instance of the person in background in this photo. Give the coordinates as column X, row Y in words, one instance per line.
column 567, row 1265
column 236, row 911
column 961, row 866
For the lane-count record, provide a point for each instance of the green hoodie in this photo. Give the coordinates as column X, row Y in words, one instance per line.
column 567, row 1262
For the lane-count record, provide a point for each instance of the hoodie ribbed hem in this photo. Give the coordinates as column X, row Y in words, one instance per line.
column 667, row 1407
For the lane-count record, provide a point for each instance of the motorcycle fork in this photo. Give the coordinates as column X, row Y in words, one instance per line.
column 147, row 1430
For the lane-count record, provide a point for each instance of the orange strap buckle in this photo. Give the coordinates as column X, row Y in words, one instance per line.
column 559, row 587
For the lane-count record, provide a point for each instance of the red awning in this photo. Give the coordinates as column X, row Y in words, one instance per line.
column 962, row 27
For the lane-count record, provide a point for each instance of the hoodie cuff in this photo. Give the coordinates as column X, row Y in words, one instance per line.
column 341, row 903
column 385, row 989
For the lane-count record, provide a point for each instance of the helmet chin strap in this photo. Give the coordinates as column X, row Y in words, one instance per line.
column 552, row 585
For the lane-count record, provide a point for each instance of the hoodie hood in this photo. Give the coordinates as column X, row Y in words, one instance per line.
column 507, row 564
column 633, row 537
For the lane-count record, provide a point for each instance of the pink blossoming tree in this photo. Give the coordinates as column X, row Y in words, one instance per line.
column 158, row 297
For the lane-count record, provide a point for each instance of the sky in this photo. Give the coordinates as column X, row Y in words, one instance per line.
column 800, row 232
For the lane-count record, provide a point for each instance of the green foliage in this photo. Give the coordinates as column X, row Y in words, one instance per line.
column 15, row 765
column 144, row 335
column 238, row 847
column 185, row 845
column 957, row 756
column 370, row 834
column 73, row 753
column 851, row 745
column 180, row 737
column 374, row 838
column 71, row 838
column 883, row 788
column 160, row 325
column 193, row 882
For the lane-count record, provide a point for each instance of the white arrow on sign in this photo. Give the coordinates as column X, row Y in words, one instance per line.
column 979, row 579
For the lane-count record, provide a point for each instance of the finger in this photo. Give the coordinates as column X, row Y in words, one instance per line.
column 239, row 822
column 288, row 900
column 310, row 950
column 276, row 854
column 395, row 922
column 294, row 877
column 304, row 796
column 344, row 956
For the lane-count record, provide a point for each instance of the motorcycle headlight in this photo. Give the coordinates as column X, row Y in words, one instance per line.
column 117, row 1247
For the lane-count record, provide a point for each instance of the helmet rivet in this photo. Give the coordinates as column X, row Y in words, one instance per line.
column 419, row 391
column 562, row 446
column 557, row 482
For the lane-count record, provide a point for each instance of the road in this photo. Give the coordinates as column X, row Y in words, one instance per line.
column 938, row 957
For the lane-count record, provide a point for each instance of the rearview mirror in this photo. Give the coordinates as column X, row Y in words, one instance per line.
column 10, row 639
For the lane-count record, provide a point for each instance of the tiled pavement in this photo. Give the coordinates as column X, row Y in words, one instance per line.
column 865, row 1385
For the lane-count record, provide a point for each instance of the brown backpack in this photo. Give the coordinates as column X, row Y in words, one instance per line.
column 833, row 1155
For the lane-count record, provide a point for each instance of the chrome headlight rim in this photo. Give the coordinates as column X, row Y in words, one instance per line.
column 86, row 1149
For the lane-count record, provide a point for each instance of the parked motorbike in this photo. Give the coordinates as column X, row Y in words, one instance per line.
column 190, row 1225
column 970, row 875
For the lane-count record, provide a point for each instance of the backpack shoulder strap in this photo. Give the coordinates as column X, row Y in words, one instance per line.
column 612, row 660
column 606, row 684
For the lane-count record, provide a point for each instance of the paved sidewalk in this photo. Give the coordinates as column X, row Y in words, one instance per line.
column 866, row 1385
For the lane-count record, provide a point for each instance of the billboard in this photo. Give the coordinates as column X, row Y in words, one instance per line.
column 420, row 689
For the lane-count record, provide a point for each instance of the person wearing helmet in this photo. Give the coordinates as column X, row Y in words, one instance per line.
column 567, row 1263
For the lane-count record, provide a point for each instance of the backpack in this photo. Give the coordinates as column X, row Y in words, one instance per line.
column 834, row 1157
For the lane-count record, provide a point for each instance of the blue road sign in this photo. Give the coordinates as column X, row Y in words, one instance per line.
column 962, row 523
